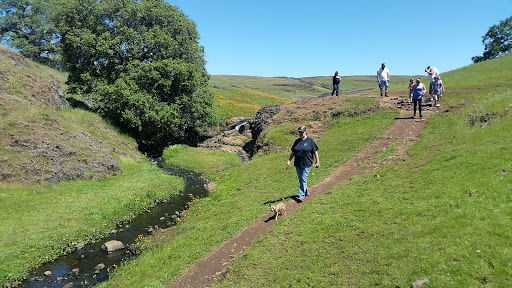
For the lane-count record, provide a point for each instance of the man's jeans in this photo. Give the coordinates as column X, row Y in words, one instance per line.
column 335, row 87
column 302, row 174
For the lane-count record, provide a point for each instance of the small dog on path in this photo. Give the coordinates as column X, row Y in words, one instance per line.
column 277, row 209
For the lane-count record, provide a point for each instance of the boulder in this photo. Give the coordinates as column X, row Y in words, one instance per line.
column 112, row 246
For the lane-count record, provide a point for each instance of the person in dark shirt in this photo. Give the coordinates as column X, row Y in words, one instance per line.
column 335, row 83
column 304, row 149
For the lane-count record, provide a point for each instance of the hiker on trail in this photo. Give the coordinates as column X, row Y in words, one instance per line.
column 303, row 149
column 432, row 72
column 383, row 78
column 335, row 83
column 418, row 90
column 438, row 89
column 411, row 83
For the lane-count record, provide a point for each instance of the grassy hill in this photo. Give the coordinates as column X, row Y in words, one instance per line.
column 244, row 95
column 299, row 88
column 42, row 147
column 442, row 214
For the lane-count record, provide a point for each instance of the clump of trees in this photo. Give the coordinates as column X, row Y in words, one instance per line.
column 138, row 62
column 497, row 41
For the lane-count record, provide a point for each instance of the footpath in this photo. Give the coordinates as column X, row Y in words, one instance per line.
column 403, row 133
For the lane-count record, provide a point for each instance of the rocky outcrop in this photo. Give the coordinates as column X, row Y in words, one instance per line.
column 264, row 117
column 58, row 99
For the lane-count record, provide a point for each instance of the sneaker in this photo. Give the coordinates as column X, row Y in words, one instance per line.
column 421, row 116
column 437, row 105
column 307, row 192
column 413, row 116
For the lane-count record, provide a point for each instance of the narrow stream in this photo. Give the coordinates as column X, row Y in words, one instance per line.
column 80, row 267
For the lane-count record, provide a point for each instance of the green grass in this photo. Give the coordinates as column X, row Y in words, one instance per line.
column 298, row 88
column 201, row 160
column 38, row 222
column 442, row 215
column 232, row 103
column 239, row 199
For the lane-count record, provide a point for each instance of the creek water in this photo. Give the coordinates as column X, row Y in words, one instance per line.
column 64, row 269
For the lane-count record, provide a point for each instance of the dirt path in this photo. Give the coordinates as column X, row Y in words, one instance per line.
column 403, row 133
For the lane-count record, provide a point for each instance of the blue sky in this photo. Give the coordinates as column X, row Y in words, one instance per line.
column 315, row 38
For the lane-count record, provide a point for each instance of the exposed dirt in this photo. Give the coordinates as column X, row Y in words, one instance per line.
column 35, row 145
column 402, row 134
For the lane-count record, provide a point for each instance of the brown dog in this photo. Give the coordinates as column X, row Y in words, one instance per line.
column 278, row 208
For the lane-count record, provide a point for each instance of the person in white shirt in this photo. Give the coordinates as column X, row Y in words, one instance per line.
column 432, row 73
column 383, row 78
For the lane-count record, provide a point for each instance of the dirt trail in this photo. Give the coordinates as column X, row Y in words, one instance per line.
column 403, row 133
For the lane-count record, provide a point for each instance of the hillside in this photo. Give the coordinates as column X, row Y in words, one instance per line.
column 44, row 144
column 41, row 139
column 435, row 211
column 299, row 88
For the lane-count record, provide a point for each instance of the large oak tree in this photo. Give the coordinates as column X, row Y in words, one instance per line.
column 139, row 63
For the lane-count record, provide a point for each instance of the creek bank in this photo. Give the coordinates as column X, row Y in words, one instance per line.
column 92, row 263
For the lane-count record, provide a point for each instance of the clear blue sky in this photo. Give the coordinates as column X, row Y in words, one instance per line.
column 314, row 38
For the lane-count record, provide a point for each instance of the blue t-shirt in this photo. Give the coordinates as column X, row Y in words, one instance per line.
column 417, row 91
column 304, row 150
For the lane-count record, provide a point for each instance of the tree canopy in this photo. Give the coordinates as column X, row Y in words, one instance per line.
column 138, row 62
column 25, row 25
column 497, row 41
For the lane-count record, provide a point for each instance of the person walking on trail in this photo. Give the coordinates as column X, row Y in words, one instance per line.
column 335, row 83
column 383, row 78
column 411, row 83
column 438, row 88
column 418, row 90
column 432, row 73
column 304, row 149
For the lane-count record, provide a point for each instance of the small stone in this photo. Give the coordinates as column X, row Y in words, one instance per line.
column 100, row 266
column 80, row 246
column 419, row 283
column 503, row 172
column 48, row 273
column 75, row 271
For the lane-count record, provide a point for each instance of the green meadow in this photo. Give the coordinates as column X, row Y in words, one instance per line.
column 441, row 215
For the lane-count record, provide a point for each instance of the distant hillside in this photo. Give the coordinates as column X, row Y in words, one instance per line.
column 300, row 88
column 43, row 140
